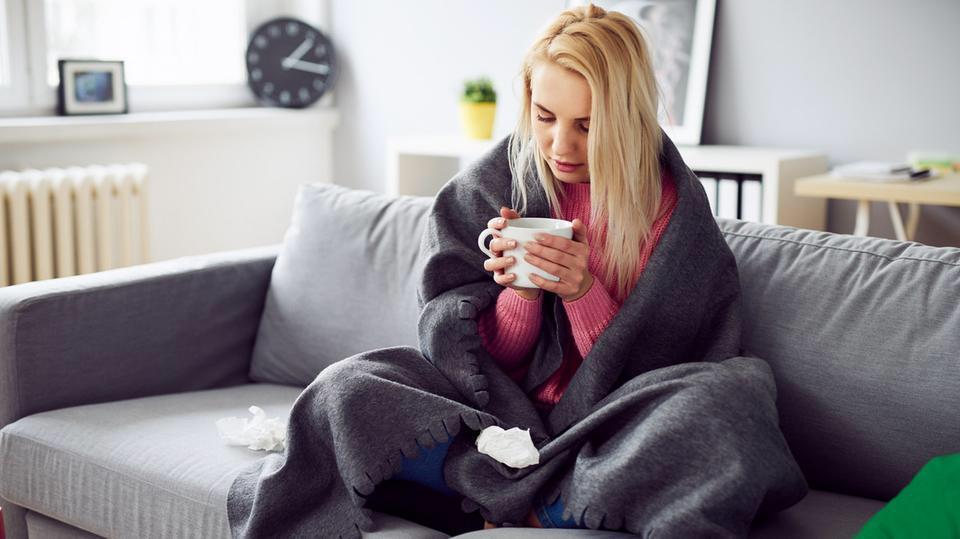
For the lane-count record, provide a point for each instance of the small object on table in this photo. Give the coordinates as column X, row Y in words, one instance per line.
column 939, row 162
column 873, row 171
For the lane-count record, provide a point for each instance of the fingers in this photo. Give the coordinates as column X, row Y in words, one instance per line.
column 499, row 263
column 500, row 245
column 497, row 223
column 575, row 261
column 579, row 231
column 575, row 248
column 553, row 260
column 550, row 267
column 500, row 222
column 557, row 287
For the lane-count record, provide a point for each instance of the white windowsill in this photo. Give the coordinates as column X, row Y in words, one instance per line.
column 59, row 128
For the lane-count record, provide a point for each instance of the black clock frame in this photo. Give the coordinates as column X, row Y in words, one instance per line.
column 270, row 43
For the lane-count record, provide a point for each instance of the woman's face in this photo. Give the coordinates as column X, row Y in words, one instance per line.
column 560, row 114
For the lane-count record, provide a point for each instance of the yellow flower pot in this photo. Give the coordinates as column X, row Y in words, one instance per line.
column 477, row 119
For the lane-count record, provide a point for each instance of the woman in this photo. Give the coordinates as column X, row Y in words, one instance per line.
column 627, row 372
column 634, row 198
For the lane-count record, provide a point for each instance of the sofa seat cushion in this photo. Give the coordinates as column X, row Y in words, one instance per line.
column 821, row 515
column 155, row 467
column 150, row 467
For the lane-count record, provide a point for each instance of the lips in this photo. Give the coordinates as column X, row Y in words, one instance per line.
column 566, row 167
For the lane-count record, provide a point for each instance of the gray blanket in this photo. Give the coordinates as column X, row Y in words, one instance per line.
column 665, row 428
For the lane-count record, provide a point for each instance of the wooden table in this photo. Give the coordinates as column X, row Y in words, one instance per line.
column 941, row 191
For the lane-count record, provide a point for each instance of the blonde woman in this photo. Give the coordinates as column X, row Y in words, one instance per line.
column 585, row 52
column 627, row 373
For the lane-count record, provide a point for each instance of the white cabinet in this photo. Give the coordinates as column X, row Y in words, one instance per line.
column 421, row 165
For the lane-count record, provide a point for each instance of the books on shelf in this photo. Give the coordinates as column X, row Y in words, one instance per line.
column 752, row 200
column 727, row 199
column 728, row 195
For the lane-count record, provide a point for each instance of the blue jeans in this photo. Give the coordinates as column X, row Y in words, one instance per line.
column 427, row 470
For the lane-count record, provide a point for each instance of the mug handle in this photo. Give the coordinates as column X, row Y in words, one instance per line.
column 482, row 239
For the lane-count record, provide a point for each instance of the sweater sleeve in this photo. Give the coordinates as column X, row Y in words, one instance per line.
column 589, row 315
column 510, row 329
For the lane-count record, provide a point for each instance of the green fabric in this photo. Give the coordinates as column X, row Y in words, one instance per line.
column 929, row 507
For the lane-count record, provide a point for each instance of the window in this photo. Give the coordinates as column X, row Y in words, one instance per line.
column 162, row 42
column 4, row 47
column 177, row 53
column 13, row 74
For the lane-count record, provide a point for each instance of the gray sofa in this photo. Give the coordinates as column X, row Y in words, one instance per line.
column 110, row 383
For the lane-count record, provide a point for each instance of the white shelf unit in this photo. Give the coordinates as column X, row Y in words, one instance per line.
column 421, row 165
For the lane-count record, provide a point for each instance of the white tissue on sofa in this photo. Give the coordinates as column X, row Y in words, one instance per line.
column 259, row 433
column 512, row 447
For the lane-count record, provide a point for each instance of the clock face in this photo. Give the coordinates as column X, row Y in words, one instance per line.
column 289, row 63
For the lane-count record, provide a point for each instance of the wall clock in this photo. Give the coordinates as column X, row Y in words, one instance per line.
column 289, row 63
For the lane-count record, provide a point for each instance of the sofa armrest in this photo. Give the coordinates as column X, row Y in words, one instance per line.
column 178, row 325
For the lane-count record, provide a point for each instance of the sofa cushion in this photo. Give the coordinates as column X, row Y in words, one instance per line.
column 48, row 528
column 862, row 336
column 151, row 467
column 344, row 282
column 820, row 515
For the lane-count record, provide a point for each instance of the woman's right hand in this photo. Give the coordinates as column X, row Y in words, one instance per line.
column 498, row 263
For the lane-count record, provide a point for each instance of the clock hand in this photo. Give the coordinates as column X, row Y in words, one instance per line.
column 312, row 67
column 295, row 55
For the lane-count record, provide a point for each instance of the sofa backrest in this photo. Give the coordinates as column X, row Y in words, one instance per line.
column 863, row 336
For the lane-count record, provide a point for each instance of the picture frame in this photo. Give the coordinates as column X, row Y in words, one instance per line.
column 91, row 87
column 681, row 35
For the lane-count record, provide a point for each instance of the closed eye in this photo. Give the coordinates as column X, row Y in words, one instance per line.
column 548, row 120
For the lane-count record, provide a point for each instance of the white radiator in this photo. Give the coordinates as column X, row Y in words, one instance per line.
column 61, row 222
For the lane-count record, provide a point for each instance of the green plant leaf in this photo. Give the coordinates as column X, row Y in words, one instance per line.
column 479, row 90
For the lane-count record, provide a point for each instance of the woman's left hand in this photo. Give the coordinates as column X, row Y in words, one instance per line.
column 566, row 259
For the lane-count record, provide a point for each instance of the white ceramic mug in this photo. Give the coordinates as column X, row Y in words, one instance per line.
column 522, row 230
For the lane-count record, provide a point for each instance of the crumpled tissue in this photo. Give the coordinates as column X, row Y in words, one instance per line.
column 259, row 433
column 512, row 447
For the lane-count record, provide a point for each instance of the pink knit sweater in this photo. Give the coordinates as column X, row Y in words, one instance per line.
column 510, row 329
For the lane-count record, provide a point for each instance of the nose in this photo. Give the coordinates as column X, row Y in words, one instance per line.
column 564, row 141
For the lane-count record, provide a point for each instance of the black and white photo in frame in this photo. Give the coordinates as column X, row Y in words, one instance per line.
column 680, row 33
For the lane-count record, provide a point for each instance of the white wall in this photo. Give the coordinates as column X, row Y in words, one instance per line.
column 403, row 67
column 213, row 186
column 857, row 79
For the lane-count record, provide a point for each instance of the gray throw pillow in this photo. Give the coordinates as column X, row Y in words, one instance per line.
column 344, row 282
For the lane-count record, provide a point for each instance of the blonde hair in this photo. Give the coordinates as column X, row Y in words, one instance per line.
column 623, row 143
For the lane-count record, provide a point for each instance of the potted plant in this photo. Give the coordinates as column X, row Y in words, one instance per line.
column 478, row 108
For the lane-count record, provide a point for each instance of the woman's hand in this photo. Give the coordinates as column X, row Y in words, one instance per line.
column 566, row 259
column 499, row 263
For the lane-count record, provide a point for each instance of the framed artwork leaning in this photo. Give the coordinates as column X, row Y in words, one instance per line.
column 681, row 34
